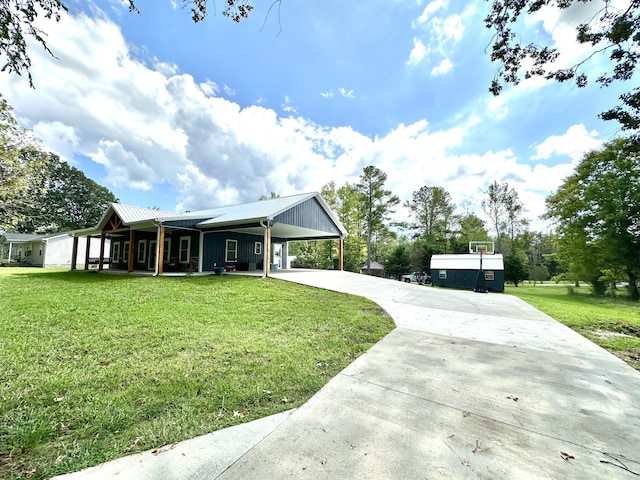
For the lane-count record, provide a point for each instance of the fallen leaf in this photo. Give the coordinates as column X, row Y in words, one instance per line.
column 59, row 459
column 514, row 398
column 30, row 473
column 466, row 463
column 239, row 414
column 285, row 400
column 58, row 399
column 566, row 456
column 465, row 413
column 323, row 461
column 268, row 392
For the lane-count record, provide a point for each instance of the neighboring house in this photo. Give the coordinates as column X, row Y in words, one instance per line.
column 461, row 271
column 53, row 250
column 375, row 270
column 240, row 237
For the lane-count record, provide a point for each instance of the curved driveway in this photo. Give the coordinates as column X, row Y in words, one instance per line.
column 468, row 386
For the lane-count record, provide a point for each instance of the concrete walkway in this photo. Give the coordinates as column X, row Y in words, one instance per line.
column 468, row 386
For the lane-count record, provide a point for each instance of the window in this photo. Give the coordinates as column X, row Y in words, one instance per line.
column 142, row 251
column 257, row 248
column 115, row 256
column 231, row 251
column 185, row 249
column 442, row 274
column 125, row 252
column 40, row 254
column 488, row 275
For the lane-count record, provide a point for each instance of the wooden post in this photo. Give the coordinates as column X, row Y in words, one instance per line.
column 86, row 253
column 103, row 237
column 341, row 254
column 160, row 256
column 132, row 238
column 74, row 254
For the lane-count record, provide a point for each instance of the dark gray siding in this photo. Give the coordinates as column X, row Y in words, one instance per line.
column 466, row 279
column 214, row 245
column 309, row 214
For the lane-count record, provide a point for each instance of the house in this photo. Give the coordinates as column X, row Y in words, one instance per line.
column 375, row 270
column 239, row 237
column 461, row 271
column 53, row 250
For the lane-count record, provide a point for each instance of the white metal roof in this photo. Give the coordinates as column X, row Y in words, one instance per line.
column 467, row 262
column 129, row 214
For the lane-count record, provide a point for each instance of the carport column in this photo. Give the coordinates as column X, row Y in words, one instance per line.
column 160, row 247
column 341, row 254
column 103, row 237
column 86, row 253
column 284, row 253
column 267, row 253
column 74, row 254
column 132, row 238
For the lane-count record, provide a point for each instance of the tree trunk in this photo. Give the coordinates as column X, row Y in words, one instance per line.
column 633, row 287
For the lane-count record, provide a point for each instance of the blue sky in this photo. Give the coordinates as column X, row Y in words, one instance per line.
column 186, row 116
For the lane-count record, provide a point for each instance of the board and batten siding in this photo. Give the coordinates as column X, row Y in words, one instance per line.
column 308, row 214
column 214, row 245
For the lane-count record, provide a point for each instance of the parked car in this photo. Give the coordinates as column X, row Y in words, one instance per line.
column 420, row 277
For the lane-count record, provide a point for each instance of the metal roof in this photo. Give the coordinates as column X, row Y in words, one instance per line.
column 467, row 262
column 129, row 214
column 21, row 237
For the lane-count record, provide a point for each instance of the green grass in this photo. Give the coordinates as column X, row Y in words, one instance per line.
column 94, row 367
column 611, row 322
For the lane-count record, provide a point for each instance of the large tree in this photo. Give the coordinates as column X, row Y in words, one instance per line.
column 597, row 210
column 376, row 203
column 505, row 212
column 432, row 209
column 611, row 29
column 39, row 192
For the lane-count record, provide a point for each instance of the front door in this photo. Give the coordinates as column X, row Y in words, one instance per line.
column 152, row 255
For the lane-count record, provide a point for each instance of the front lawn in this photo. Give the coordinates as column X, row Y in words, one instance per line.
column 612, row 323
column 97, row 366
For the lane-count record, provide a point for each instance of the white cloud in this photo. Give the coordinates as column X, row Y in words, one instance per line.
column 346, row 93
column 418, row 52
column 153, row 128
column 444, row 67
column 326, row 94
column 574, row 143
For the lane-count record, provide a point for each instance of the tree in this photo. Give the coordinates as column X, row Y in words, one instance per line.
column 515, row 267
column 611, row 30
column 470, row 227
column 18, row 18
column 504, row 209
column 432, row 209
column 399, row 262
column 377, row 203
column 597, row 210
column 40, row 193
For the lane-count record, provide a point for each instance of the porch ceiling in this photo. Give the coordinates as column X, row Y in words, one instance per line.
column 289, row 232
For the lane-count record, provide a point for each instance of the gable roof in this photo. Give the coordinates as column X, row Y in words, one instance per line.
column 467, row 261
column 228, row 216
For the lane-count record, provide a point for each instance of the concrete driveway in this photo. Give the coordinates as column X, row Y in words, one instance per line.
column 468, row 386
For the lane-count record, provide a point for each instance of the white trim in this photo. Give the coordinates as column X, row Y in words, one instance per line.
column 142, row 252
column 125, row 252
column 188, row 249
column 115, row 252
column 229, row 241
column 257, row 248
column 200, row 251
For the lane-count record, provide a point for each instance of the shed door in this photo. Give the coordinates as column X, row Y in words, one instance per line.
column 231, row 251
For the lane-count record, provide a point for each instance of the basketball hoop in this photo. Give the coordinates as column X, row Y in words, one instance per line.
column 481, row 251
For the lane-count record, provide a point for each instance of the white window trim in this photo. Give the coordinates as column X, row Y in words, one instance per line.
column 442, row 274
column 142, row 251
column 227, row 250
column 188, row 250
column 489, row 275
column 115, row 256
column 125, row 251
column 166, row 252
column 257, row 248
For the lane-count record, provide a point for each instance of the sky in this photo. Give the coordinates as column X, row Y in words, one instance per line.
column 182, row 116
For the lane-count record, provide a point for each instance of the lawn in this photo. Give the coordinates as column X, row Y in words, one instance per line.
column 612, row 323
column 97, row 366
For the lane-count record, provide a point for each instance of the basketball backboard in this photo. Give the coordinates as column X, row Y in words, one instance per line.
column 481, row 246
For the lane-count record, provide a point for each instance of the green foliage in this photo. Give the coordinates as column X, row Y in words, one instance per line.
column 432, row 209
column 515, row 267
column 40, row 193
column 399, row 262
column 597, row 210
column 421, row 253
column 376, row 203
column 612, row 30
column 95, row 367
